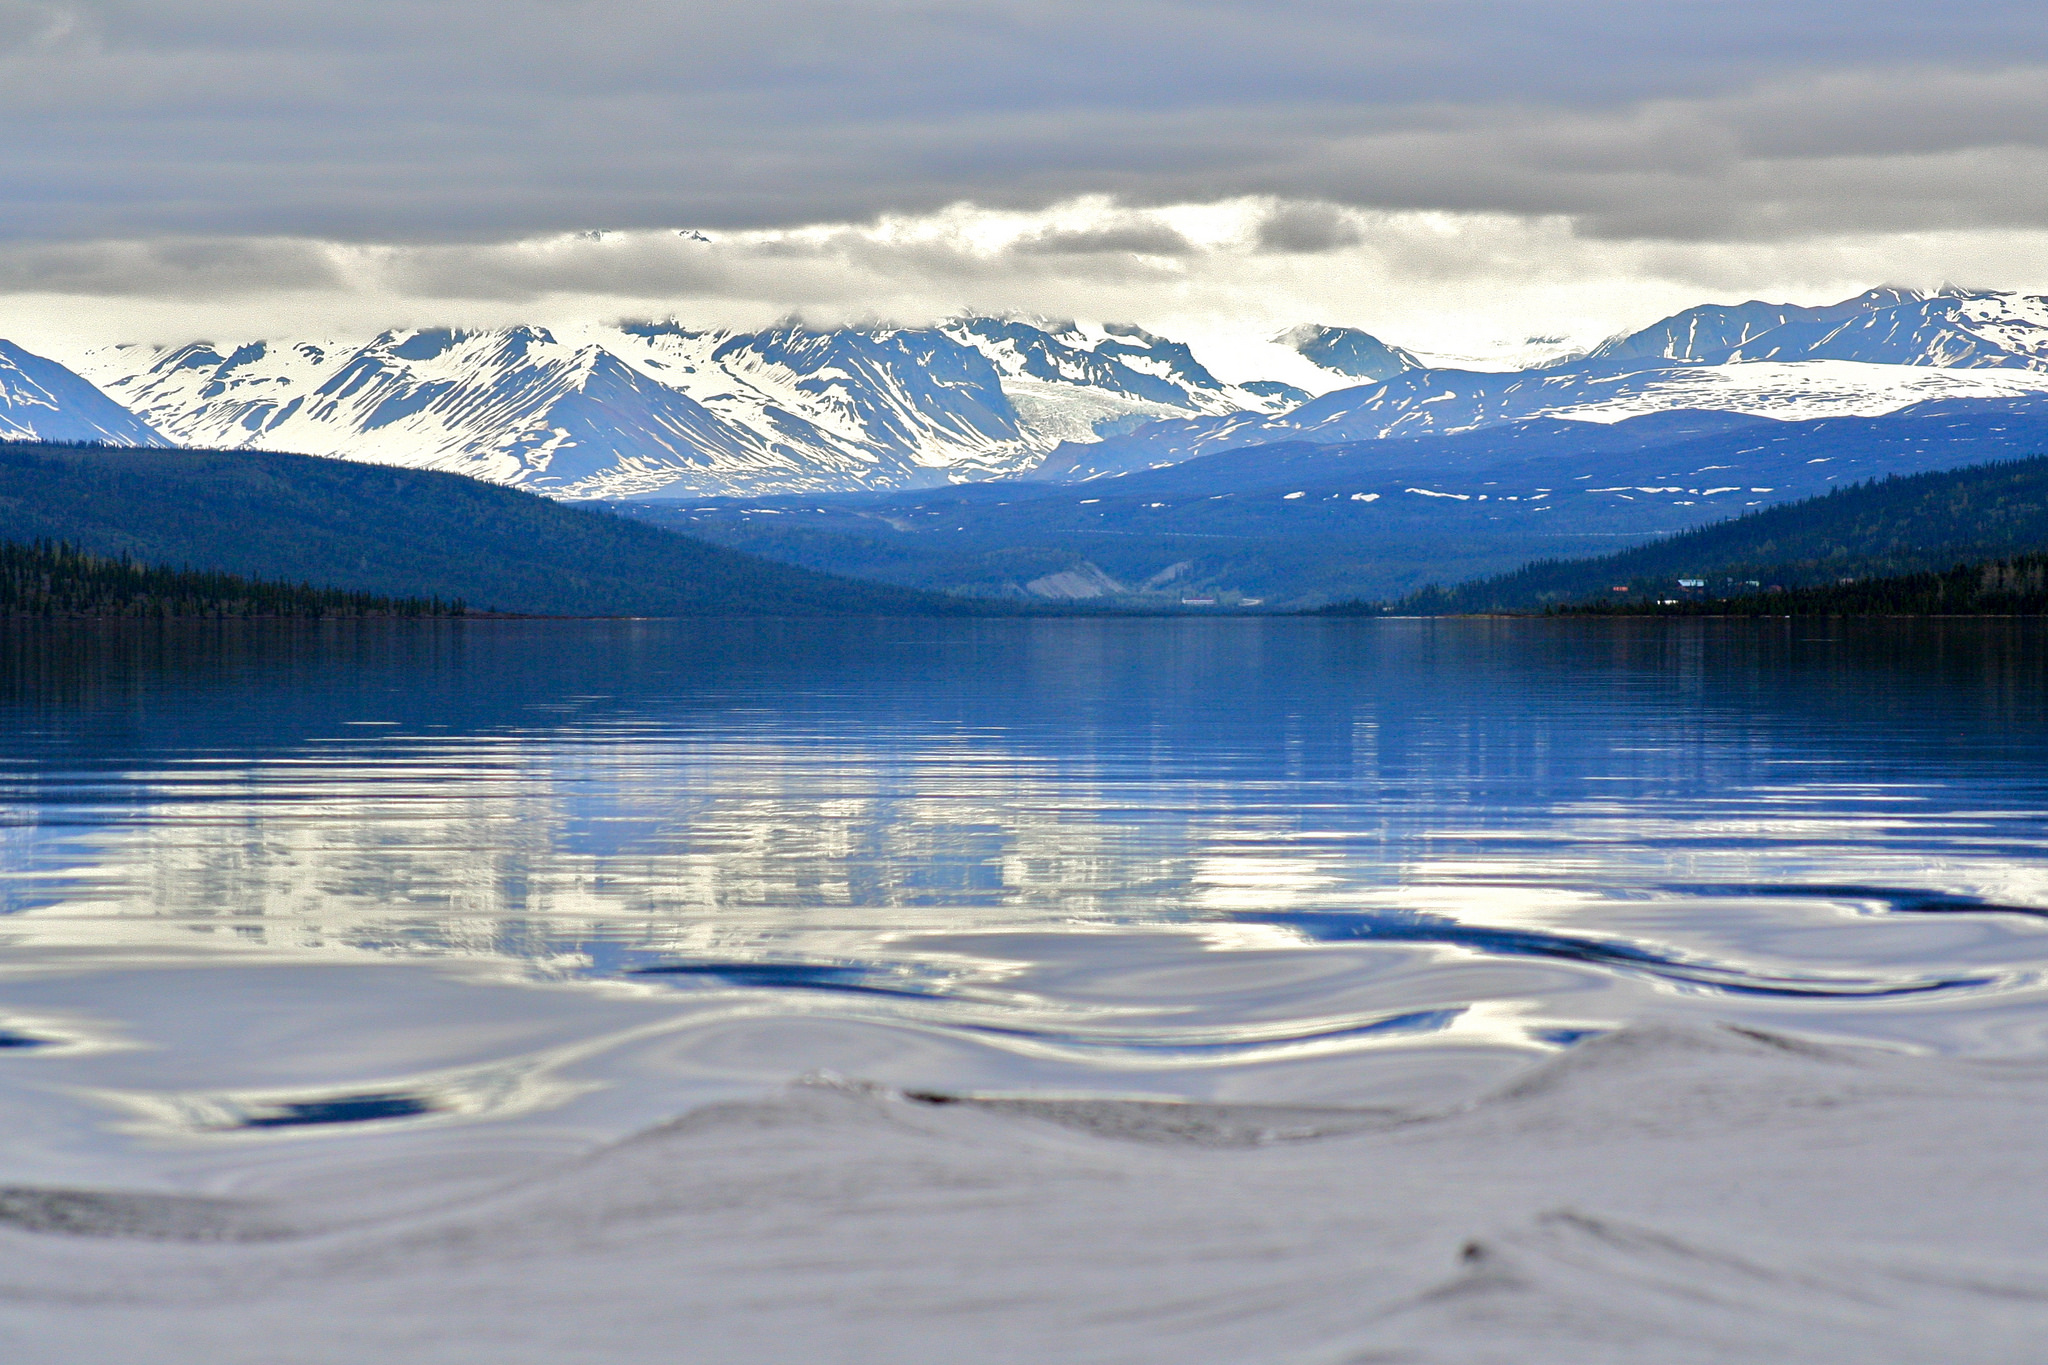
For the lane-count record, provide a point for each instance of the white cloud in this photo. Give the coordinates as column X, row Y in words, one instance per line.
column 1438, row 281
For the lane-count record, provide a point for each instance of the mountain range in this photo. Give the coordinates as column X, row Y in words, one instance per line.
column 1021, row 456
column 1879, row 352
column 658, row 410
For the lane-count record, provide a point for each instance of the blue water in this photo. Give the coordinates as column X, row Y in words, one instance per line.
column 354, row 885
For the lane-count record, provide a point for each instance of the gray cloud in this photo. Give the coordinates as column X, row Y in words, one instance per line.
column 174, row 268
column 834, row 268
column 496, row 120
column 1138, row 237
column 1307, row 229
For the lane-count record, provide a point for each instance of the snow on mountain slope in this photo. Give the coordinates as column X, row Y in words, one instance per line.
column 1709, row 333
column 1301, row 362
column 1428, row 401
column 613, row 411
column 1950, row 328
column 1436, row 402
column 473, row 403
column 40, row 400
column 1074, row 383
column 1343, row 357
column 1873, row 354
column 1348, row 351
column 659, row 409
column 899, row 406
column 663, row 410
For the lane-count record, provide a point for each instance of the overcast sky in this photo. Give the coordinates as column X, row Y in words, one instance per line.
column 1444, row 174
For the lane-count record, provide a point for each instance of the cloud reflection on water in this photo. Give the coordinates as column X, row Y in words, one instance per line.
column 1166, row 856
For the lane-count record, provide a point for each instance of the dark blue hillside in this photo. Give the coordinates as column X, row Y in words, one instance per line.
column 401, row 533
column 1923, row 524
column 1298, row 522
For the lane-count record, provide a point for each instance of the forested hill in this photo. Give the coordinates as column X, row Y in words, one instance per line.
column 402, row 533
column 1915, row 524
column 2005, row 587
column 45, row 580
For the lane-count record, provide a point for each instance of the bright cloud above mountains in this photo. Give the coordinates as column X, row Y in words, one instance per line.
column 1146, row 159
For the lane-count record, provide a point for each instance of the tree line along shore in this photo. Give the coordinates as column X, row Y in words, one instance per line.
column 2004, row 587
column 1963, row 541
column 43, row 579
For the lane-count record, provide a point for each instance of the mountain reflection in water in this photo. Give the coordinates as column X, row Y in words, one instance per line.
column 362, row 878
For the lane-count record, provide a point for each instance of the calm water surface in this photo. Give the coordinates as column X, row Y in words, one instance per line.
column 274, row 893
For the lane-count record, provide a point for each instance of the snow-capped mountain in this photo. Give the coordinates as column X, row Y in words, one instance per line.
column 660, row 409
column 1874, row 354
column 1070, row 383
column 1950, row 328
column 1343, row 357
column 667, row 411
column 616, row 411
column 40, row 400
column 1348, row 351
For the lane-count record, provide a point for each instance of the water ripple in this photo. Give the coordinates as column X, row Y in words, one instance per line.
column 272, row 885
column 1901, row 900
column 1394, row 926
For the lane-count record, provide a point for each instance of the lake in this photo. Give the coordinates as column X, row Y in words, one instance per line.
column 278, row 895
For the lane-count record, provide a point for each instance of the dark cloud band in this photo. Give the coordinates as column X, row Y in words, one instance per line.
column 496, row 120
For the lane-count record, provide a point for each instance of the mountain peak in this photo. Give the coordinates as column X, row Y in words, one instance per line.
column 41, row 400
column 1348, row 351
